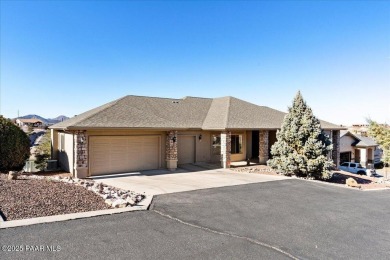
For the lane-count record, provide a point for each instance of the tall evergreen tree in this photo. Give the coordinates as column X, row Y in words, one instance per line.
column 301, row 148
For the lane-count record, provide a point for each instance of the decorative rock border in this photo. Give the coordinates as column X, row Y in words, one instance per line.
column 116, row 198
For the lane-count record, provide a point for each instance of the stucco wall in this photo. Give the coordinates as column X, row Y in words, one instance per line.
column 66, row 151
column 202, row 147
column 346, row 144
column 54, row 144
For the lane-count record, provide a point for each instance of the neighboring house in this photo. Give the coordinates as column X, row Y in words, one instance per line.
column 21, row 122
column 359, row 129
column 358, row 148
column 140, row 133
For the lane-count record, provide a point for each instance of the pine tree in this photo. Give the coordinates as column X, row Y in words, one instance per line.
column 301, row 148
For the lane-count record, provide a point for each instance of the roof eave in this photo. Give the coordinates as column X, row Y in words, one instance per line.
column 80, row 128
column 364, row 146
column 334, row 128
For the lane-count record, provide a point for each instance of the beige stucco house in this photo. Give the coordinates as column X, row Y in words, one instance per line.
column 358, row 148
column 33, row 122
column 140, row 133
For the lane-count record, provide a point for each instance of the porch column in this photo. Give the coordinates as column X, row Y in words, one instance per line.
column 171, row 150
column 336, row 148
column 372, row 157
column 263, row 146
column 363, row 157
column 81, row 154
column 225, row 149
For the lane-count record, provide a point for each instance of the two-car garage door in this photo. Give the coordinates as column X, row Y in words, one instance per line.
column 119, row 154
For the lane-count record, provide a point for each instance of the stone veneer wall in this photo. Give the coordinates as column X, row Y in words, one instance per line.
column 171, row 150
column 81, row 142
column 226, row 145
column 336, row 147
column 263, row 146
column 171, row 146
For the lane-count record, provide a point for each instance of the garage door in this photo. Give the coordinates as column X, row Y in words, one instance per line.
column 119, row 154
column 186, row 149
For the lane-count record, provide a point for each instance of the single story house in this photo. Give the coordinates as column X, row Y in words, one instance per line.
column 33, row 122
column 139, row 133
column 358, row 148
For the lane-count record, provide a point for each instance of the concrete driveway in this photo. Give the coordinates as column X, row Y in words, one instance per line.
column 185, row 178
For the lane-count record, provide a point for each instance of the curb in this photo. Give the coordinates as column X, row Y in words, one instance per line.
column 377, row 189
column 80, row 215
column 343, row 186
column 330, row 184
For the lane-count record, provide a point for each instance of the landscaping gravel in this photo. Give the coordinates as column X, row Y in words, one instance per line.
column 263, row 169
column 29, row 198
column 365, row 182
column 339, row 177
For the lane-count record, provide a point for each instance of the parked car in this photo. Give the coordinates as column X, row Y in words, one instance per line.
column 356, row 168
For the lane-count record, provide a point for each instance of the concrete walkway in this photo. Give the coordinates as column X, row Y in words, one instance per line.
column 186, row 178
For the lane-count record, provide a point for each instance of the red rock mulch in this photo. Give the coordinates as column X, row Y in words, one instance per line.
column 365, row 182
column 30, row 198
column 339, row 177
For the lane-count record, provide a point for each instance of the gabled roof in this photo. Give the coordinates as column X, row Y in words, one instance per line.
column 29, row 120
column 361, row 141
column 143, row 112
column 187, row 113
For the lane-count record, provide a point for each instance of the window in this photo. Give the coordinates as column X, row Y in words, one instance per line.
column 216, row 144
column 344, row 164
column 236, row 141
column 352, row 165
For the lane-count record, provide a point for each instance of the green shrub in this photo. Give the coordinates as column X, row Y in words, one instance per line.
column 14, row 146
column 43, row 152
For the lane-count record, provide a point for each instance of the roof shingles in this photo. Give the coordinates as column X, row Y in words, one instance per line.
column 187, row 113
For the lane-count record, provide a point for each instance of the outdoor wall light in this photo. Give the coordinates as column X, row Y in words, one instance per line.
column 174, row 139
column 82, row 139
column 200, row 137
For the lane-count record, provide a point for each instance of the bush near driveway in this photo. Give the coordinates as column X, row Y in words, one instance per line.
column 14, row 146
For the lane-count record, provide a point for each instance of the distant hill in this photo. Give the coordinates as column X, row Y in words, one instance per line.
column 60, row 118
column 46, row 121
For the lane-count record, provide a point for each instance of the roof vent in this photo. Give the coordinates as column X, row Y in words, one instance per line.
column 175, row 102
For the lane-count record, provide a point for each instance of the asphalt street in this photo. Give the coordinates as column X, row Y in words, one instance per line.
column 273, row 220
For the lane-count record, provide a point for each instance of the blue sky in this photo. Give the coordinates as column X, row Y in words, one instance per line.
column 66, row 57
